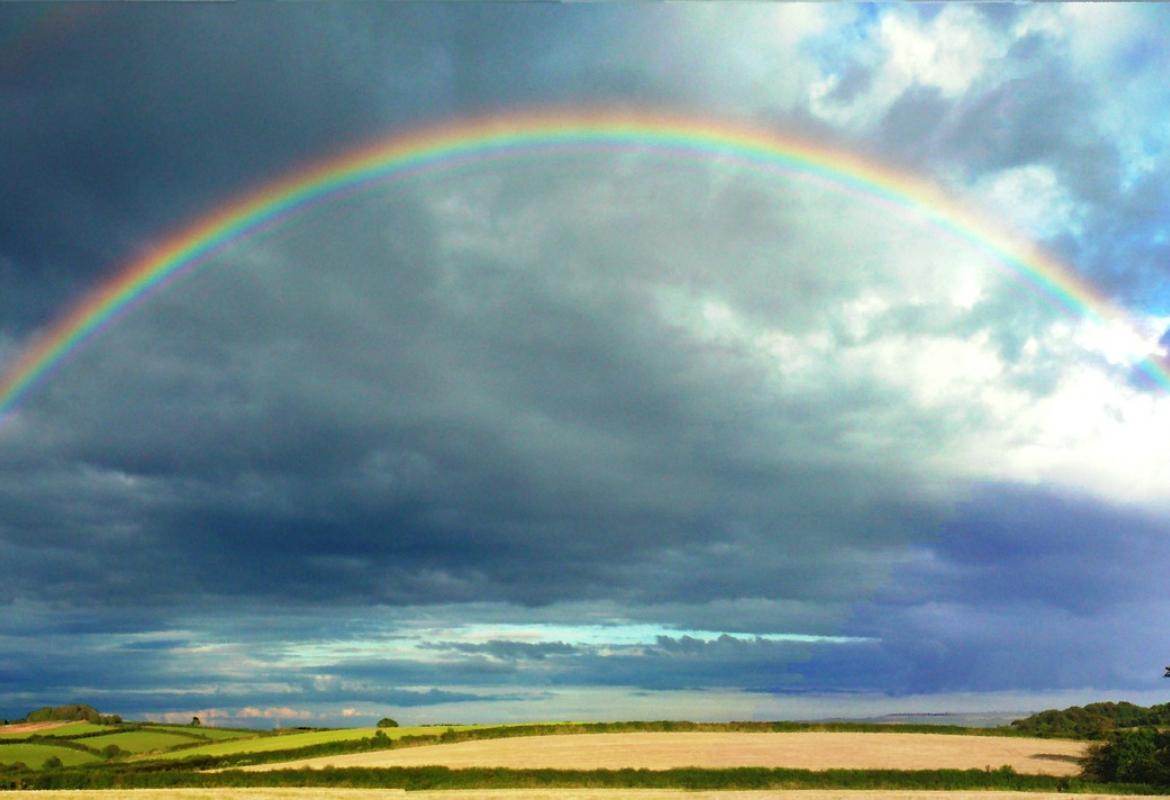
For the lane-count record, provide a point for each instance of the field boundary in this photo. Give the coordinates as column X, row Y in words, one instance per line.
column 418, row 778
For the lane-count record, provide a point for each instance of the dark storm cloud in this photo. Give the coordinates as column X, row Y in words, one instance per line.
column 141, row 119
column 1022, row 589
column 439, row 426
column 668, row 662
column 507, row 650
column 752, row 664
column 1038, row 544
column 138, row 686
column 689, row 663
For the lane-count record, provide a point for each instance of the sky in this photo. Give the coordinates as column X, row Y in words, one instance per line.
column 594, row 435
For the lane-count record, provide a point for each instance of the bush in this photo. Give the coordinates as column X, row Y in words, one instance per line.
column 386, row 722
column 1132, row 756
column 52, row 762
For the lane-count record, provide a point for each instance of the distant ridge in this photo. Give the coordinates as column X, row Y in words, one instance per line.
column 965, row 719
column 1094, row 721
column 76, row 712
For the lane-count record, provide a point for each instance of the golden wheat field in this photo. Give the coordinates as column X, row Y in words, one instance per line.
column 804, row 750
column 535, row 794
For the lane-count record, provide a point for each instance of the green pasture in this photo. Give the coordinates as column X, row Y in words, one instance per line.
column 34, row 754
column 72, row 729
column 215, row 734
column 292, row 741
column 138, row 741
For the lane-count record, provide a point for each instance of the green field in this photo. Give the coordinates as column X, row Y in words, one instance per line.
column 139, row 741
column 292, row 741
column 35, row 754
column 215, row 734
column 72, row 729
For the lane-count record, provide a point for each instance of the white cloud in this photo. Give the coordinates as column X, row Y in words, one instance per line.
column 1032, row 198
column 948, row 52
column 1094, row 434
column 225, row 716
column 280, row 712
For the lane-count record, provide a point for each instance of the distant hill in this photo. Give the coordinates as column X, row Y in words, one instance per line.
column 77, row 712
column 1094, row 721
column 965, row 719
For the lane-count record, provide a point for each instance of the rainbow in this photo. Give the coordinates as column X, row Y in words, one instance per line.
column 525, row 135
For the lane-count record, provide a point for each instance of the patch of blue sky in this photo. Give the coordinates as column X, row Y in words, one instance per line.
column 617, row 634
column 418, row 644
column 839, row 46
column 1147, row 50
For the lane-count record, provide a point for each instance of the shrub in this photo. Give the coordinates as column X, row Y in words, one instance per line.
column 1131, row 756
column 52, row 762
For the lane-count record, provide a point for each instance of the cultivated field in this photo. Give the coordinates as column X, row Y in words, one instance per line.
column 22, row 730
column 539, row 794
column 804, row 750
column 38, row 753
column 146, row 741
column 290, row 741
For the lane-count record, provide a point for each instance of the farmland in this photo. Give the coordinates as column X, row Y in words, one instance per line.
column 214, row 734
column 77, row 743
column 49, row 729
column 141, row 741
column 811, row 750
column 293, row 741
column 36, row 753
column 550, row 760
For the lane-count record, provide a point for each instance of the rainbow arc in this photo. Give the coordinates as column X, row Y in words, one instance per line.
column 528, row 135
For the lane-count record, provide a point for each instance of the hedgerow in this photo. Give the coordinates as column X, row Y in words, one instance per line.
column 417, row 778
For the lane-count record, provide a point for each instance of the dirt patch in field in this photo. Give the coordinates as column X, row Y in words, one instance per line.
column 803, row 750
column 537, row 794
column 32, row 727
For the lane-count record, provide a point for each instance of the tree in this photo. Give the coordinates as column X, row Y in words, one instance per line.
column 386, row 722
column 52, row 762
column 195, row 723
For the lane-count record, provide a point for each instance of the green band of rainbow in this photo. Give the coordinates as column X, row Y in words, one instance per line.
column 523, row 135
